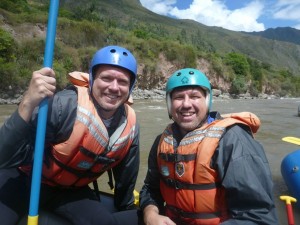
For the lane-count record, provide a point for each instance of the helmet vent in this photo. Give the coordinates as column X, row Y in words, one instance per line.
column 191, row 72
column 125, row 54
column 113, row 50
column 178, row 74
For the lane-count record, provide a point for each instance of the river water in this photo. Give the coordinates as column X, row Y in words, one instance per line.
column 278, row 117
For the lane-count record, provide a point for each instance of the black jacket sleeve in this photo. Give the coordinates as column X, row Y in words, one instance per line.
column 18, row 137
column 125, row 175
column 245, row 174
column 16, row 145
column 150, row 193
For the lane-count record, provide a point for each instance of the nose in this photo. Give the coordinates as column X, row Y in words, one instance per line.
column 114, row 85
column 186, row 102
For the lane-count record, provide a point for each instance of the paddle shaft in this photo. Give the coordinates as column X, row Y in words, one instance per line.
column 42, row 119
column 290, row 215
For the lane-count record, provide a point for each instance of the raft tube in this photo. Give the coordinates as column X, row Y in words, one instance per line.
column 290, row 171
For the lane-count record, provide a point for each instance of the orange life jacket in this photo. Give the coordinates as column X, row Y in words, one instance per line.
column 89, row 151
column 190, row 187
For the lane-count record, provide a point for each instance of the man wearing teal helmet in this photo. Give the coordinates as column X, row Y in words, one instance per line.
column 206, row 168
column 191, row 78
column 90, row 130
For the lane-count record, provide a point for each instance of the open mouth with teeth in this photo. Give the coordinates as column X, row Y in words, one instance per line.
column 187, row 116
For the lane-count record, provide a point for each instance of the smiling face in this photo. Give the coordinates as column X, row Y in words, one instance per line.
column 110, row 88
column 188, row 108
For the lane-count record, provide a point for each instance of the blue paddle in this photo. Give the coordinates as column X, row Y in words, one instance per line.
column 42, row 119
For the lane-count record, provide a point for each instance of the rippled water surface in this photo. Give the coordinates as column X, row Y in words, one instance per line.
column 278, row 116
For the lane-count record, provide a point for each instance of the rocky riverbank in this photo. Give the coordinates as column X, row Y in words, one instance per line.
column 160, row 94
column 148, row 94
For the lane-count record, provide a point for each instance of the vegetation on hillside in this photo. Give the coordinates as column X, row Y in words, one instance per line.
column 82, row 29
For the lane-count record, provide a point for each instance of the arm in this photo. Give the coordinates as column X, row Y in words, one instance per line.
column 152, row 217
column 247, row 179
column 16, row 145
column 125, row 175
column 151, row 201
column 18, row 135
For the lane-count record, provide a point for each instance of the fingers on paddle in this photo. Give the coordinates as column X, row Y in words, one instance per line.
column 43, row 82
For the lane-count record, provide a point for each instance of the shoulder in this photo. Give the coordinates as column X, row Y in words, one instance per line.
column 63, row 107
column 238, row 132
column 67, row 93
column 156, row 142
column 239, row 140
column 65, row 98
column 237, row 144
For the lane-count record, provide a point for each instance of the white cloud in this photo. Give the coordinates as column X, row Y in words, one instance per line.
column 161, row 7
column 216, row 13
column 288, row 10
column 212, row 13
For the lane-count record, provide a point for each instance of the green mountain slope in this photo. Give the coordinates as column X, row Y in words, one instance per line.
column 236, row 62
column 129, row 14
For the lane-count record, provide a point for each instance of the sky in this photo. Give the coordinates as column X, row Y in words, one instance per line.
column 236, row 15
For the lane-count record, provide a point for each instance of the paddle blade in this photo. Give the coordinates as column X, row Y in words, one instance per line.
column 293, row 140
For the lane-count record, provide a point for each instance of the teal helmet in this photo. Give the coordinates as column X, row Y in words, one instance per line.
column 115, row 56
column 188, row 77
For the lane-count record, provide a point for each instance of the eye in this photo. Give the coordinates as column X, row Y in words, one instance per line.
column 106, row 79
column 177, row 97
column 196, row 96
column 123, row 82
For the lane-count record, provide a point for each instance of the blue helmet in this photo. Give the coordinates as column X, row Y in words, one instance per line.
column 115, row 56
column 188, row 77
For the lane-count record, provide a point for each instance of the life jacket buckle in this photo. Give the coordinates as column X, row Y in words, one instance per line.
column 173, row 183
column 103, row 160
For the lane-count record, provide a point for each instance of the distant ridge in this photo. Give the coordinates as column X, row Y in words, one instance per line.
column 287, row 34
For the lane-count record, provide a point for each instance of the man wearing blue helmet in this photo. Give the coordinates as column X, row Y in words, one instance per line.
column 90, row 130
column 206, row 168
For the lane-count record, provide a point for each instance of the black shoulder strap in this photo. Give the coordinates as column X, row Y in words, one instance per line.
column 110, row 179
column 96, row 189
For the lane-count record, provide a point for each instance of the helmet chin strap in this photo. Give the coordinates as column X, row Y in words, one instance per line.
column 203, row 121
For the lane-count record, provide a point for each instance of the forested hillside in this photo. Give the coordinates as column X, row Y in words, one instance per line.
column 234, row 61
